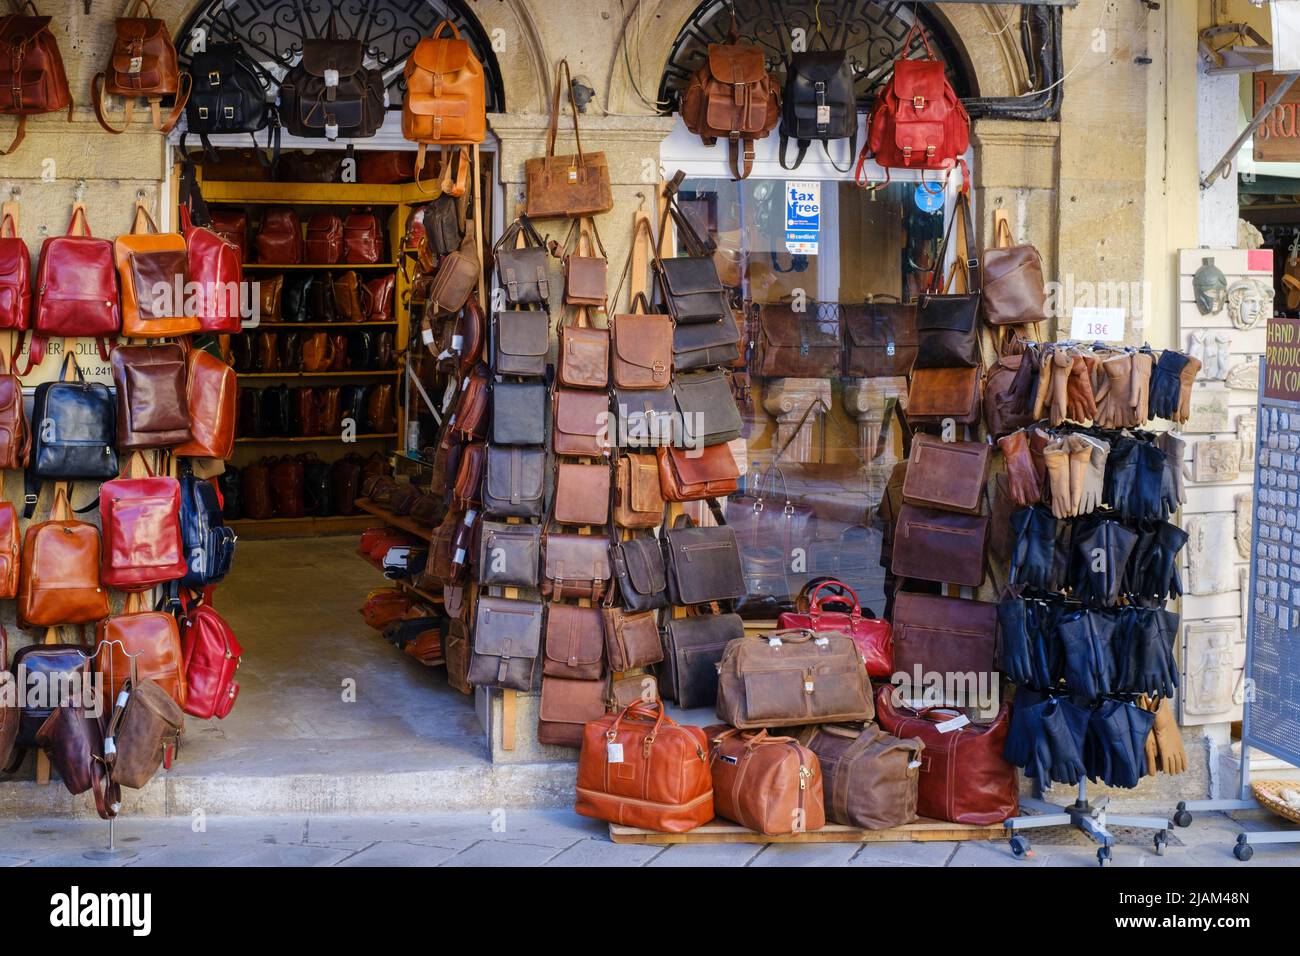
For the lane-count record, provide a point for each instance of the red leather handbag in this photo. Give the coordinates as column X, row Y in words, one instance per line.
column 10, row 560
column 210, row 392
column 361, row 240
column 142, row 543
column 964, row 776
column 280, row 240
column 872, row 637
column 15, row 277
column 76, row 290
column 211, row 656
column 214, row 265
column 324, row 238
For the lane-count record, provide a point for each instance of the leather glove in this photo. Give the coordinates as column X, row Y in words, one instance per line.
column 1013, row 630
column 1039, row 439
column 1174, row 447
column 1140, row 385
column 1168, row 739
column 1166, row 387
column 1043, row 390
column 1032, row 557
column 1057, row 459
column 1186, row 381
column 1064, row 726
column 1080, row 452
column 1024, row 726
column 1081, row 405
column 1081, row 644
column 1062, row 363
column 1152, row 752
column 1118, row 732
column 1117, row 412
column 1094, row 476
column 1121, row 469
column 1022, row 481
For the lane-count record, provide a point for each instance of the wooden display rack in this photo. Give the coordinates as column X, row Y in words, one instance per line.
column 721, row 831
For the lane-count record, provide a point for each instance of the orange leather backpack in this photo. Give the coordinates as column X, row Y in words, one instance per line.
column 147, row 261
column 446, row 98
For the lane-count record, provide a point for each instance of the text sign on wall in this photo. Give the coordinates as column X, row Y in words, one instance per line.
column 1278, row 138
column 1282, row 360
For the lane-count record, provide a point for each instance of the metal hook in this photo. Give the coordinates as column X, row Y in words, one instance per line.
column 640, row 205
column 14, row 192
column 79, row 191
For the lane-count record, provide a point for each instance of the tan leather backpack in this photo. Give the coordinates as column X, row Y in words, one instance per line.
column 733, row 97
column 446, row 99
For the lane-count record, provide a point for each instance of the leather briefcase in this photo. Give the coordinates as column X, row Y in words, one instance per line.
column 949, row 476
column 879, row 339
column 522, row 270
column 507, row 636
column 510, row 555
column 566, row 186
column 575, row 566
column 565, row 709
column 581, row 494
column 964, row 776
column 708, row 411
column 521, row 341
column 937, row 394
column 581, row 423
column 638, row 564
column 772, row 785
column 950, row 635
column 638, row 502
column 702, row 563
column 691, row 475
column 582, row 357
column 791, row 678
column 631, row 638
column 642, row 348
column 803, row 344
column 515, row 481
column 575, row 643
column 645, row 417
column 693, row 647
column 519, row 414
column 939, row 546
column 641, row 768
column 870, row 777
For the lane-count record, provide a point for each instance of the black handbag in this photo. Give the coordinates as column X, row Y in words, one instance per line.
column 706, row 346
column 361, row 350
column 693, row 647
column 819, row 103
column 709, row 415
column 521, row 341
column 702, row 564
column 643, row 417
column 321, row 304
column 318, row 495
column 689, row 285
column 519, row 413
column 442, row 225
column 352, row 405
column 638, row 567
column 947, row 326
column 522, row 271
column 74, row 433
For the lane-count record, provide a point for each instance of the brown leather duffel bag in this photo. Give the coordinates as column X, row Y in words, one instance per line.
column 870, row 777
column 791, row 678
column 769, row 784
column 640, row 768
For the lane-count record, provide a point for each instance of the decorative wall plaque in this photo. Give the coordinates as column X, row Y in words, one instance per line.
column 1245, row 513
column 1216, row 459
column 1210, row 659
column 1246, row 431
column 1210, row 569
column 1210, row 410
column 1244, row 375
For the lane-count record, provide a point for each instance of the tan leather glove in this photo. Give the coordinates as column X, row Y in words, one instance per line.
column 1118, row 413
column 1057, row 458
column 1043, row 392
column 1094, row 476
column 1169, row 740
column 1062, row 362
column 1080, row 452
column 1185, row 382
column 1140, row 387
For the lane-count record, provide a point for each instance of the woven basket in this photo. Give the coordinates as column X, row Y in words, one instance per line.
column 1266, row 792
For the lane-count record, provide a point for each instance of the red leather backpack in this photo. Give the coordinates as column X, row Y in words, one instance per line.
column 142, row 544
column 15, row 277
column 280, row 240
column 76, row 290
column 211, row 656
column 917, row 121
column 361, row 238
column 31, row 69
column 288, row 488
column 324, row 238
column 215, row 267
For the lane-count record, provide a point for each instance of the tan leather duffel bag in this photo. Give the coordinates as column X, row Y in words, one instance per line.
column 871, row 777
column 769, row 784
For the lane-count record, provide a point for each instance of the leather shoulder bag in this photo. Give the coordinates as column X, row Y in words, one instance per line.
column 514, row 483
column 510, row 555
column 454, row 281
column 939, row 546
column 522, row 269
column 638, row 502
column 947, row 324
column 566, row 186
column 586, row 273
column 689, row 285
column 949, row 476
column 693, row 647
column 565, row 709
column 575, row 647
column 521, row 342
column 951, row 635
column 582, row 493
column 642, row 348
column 581, row 423
column 708, row 411
column 145, row 731
column 702, row 563
column 638, row 565
column 519, row 414
column 936, row 394
column 694, row 474
column 574, row 566
column 631, row 638
column 507, row 637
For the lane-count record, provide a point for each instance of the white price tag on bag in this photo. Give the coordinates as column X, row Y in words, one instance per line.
column 613, row 752
column 948, row 726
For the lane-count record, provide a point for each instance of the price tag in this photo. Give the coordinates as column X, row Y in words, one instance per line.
column 331, row 77
column 457, row 343
column 948, row 726
column 1097, row 324
column 136, row 65
column 774, row 642
column 613, row 752
column 426, row 335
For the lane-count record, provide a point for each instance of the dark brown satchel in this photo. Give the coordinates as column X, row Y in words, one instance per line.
column 515, row 481
column 566, row 186
column 507, row 636
column 947, row 324
column 143, row 731
column 800, row 344
column 581, row 494
column 939, row 546
column 575, row 566
column 791, row 678
column 946, row 475
column 575, row 643
column 521, row 342
column 586, row 274
column 949, row 635
column 1014, row 292
column 522, row 270
column 456, row 278
column 942, row 393
column 772, row 785
column 631, row 638
column 879, row 338
column 702, row 563
column 581, row 423
column 638, row 501
column 566, row 707
column 870, row 776
column 73, row 738
column 582, row 359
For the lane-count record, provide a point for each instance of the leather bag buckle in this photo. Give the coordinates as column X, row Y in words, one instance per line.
column 214, row 77
column 918, row 103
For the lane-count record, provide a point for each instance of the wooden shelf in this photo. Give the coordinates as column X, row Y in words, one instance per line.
column 300, row 527
column 306, row 194
column 336, row 265
column 722, row 831
column 318, row 325
column 367, row 372
column 397, row 521
column 317, row 439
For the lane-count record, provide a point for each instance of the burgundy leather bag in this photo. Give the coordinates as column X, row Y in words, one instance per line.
column 152, row 400
column 324, row 238
column 939, row 546
column 945, row 634
column 15, row 277
column 964, row 776
column 141, row 530
column 15, row 433
column 361, row 239
column 280, row 240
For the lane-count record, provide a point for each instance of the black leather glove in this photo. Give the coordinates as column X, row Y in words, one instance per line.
column 1121, row 471
column 1085, row 637
column 1118, row 733
column 1032, row 559
column 1024, row 726
column 1156, row 672
column 1166, row 384
column 1013, row 632
column 1101, row 556
column 1064, row 726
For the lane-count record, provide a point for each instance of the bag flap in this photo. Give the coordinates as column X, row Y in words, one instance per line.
column 732, row 63
column 785, row 328
column 947, row 313
column 140, row 28
column 1002, row 262
column 815, row 65
column 577, row 557
column 923, row 78
column 523, row 333
column 713, row 463
column 346, row 56
column 18, row 29
column 507, row 628
column 579, row 412
column 441, row 55
column 933, row 612
column 942, row 391
column 574, row 635
column 636, row 336
column 571, row 701
column 705, row 630
column 880, row 324
column 645, row 565
column 501, row 464
column 702, row 393
column 704, row 335
column 691, row 275
column 643, row 483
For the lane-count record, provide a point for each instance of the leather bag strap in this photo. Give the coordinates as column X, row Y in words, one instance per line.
column 562, row 72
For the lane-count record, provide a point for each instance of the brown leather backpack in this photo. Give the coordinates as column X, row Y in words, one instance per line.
column 446, row 94
column 142, row 63
column 732, row 97
column 148, row 642
column 210, row 392
column 31, row 69
column 10, row 561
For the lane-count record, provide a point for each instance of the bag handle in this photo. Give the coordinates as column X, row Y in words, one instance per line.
column 8, row 226
column 437, row 31
column 645, row 711
column 972, row 262
column 79, row 213
column 151, row 227
column 562, row 70
column 639, row 228
column 907, row 41
column 815, row 601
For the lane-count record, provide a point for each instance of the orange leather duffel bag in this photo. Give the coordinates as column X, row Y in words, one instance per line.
column 769, row 784
column 640, row 768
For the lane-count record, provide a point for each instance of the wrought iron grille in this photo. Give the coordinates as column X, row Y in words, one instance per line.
column 871, row 31
column 272, row 31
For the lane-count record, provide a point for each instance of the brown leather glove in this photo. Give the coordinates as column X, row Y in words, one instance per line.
column 1080, row 405
column 1039, row 439
column 1169, row 740
column 1185, row 382
column 1140, row 386
column 1044, row 393
column 1057, row 458
column 1022, row 480
column 1118, row 413
column 1080, row 451
column 1062, row 363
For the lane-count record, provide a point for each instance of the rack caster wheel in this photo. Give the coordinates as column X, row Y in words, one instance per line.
column 1243, row 851
column 1183, row 816
column 1162, row 843
column 1019, row 847
column 1103, row 856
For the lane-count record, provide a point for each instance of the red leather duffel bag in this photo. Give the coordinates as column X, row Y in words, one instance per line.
column 142, row 543
column 964, row 776
column 211, row 656
column 873, row 638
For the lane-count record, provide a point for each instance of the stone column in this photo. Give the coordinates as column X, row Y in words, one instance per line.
column 787, row 400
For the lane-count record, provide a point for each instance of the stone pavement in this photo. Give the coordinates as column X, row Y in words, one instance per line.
column 552, row 838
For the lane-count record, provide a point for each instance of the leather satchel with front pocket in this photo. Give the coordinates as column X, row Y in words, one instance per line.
column 638, row 564
column 581, row 494
column 642, row 348
column 689, row 285
column 802, row 344
column 792, row 678
column 706, row 345
column 631, row 638
column 586, row 273
column 457, row 275
column 575, row 643
column 566, row 186
column 575, row 566
column 582, row 358
column 949, row 476
column 152, row 407
column 507, row 637
column 521, row 341
column 515, row 481
column 693, row 647
column 60, row 582
column 708, row 411
column 944, row 634
column 522, row 270
column 879, row 339
column 937, row 394
column 519, row 414
column 702, row 563
column 695, row 474
column 939, row 546
column 581, row 423
column 645, row 418
column 510, row 555
column 638, row 502
column 147, row 261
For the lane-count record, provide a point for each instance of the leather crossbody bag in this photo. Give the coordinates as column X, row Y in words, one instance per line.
column 631, row 638
column 507, row 637
column 581, row 423
column 521, row 341
column 574, row 566
column 689, row 285
column 566, row 186
column 454, row 281
column 944, row 393
column 642, row 348
column 582, row 494
column 582, row 358
column 706, row 345
column 586, row 274
column 515, row 481
column 638, row 502
column 708, row 411
column 644, row 418
column 948, row 325
column 509, row 554
column 702, row 563
column 638, row 565
column 695, row 474
column 565, row 709
column 950, row 635
column 522, row 270
column 939, row 546
column 575, row 643
column 949, row 476
column 693, row 646
column 519, row 414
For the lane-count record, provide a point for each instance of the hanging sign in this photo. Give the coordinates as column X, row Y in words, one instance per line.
column 1097, row 324
column 1277, row 140
column 803, row 216
column 1282, row 360
column 929, row 197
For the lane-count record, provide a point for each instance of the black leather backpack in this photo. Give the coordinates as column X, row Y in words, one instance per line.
column 330, row 93
column 229, row 96
column 819, row 104
column 74, row 433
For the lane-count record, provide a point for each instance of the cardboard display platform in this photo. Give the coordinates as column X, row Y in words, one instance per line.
column 720, row 831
